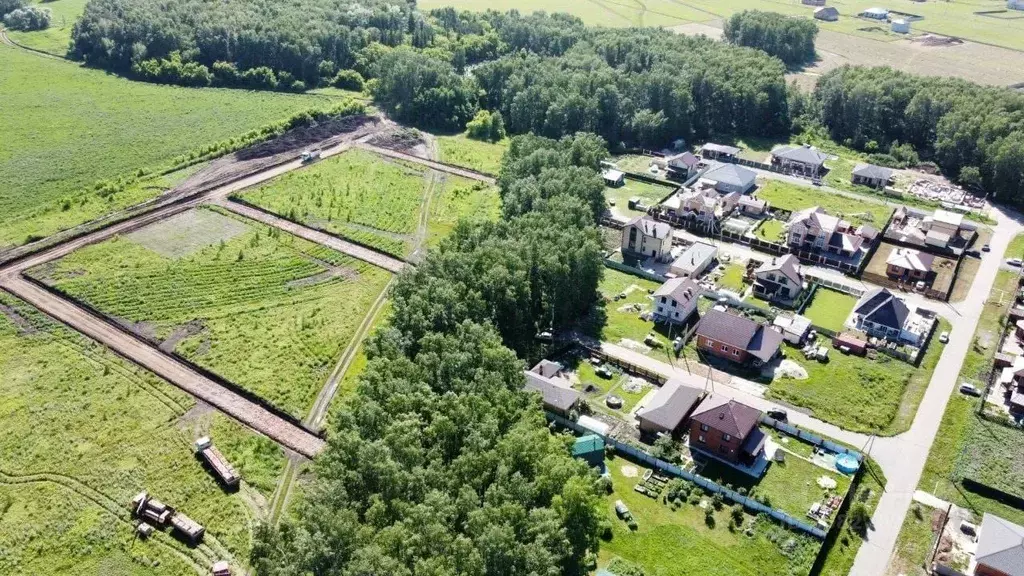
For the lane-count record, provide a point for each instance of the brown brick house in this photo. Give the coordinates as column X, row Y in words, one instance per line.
column 727, row 429
column 736, row 338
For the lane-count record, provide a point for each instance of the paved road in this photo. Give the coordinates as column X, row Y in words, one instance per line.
column 167, row 367
column 355, row 250
column 464, row 172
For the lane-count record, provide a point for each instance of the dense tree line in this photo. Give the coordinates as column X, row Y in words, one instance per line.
column 10, row 6
column 974, row 133
column 441, row 464
column 789, row 39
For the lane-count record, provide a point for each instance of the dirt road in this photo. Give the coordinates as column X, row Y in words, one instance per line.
column 167, row 367
column 464, row 172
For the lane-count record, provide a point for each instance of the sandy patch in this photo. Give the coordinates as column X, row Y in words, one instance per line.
column 634, row 345
column 187, row 233
column 784, row 369
column 629, row 471
column 711, row 29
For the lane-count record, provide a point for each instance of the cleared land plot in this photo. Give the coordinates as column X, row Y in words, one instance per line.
column 613, row 13
column 867, row 395
column 942, row 268
column 733, row 278
column 968, row 270
column 794, row 198
column 187, row 233
column 830, row 309
column 622, row 323
column 83, row 432
column 914, row 546
column 994, row 456
column 266, row 310
column 460, row 199
column 673, row 539
column 476, row 154
column 649, row 195
column 357, row 195
column 67, row 127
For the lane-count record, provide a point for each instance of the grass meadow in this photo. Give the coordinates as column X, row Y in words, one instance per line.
column 66, row 127
column 460, row 199
column 794, row 198
column 101, row 431
column 358, row 195
column 830, row 309
column 476, row 154
column 268, row 311
column 57, row 38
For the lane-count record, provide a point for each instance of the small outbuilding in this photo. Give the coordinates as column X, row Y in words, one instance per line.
column 1015, row 4
column 669, row 408
column 695, row 260
column 813, row 2
column 590, row 449
column 826, row 13
column 901, row 26
column 613, row 178
column 876, row 13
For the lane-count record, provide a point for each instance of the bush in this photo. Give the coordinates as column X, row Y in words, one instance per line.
column 28, row 18
column 860, row 518
column 709, row 517
column 486, row 126
column 737, row 514
column 717, row 501
column 621, row 567
column 349, row 80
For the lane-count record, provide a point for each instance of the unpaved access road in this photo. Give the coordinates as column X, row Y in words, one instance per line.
column 440, row 167
column 149, row 357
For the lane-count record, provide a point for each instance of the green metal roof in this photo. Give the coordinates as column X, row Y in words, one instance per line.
column 587, row 444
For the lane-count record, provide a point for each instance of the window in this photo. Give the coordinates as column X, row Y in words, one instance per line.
column 724, row 348
column 726, row 437
column 723, row 449
column 735, row 352
column 704, row 428
column 662, row 299
column 672, row 303
column 677, row 314
column 701, row 439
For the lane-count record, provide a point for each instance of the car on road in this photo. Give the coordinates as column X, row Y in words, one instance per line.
column 1013, row 262
column 778, row 414
column 969, row 389
column 986, row 248
column 944, row 337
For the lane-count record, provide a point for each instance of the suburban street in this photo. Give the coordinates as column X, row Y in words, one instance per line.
column 901, row 457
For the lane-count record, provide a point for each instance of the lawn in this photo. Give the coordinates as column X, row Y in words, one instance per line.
column 993, row 455
column 57, row 38
column 475, row 154
column 877, row 396
column 358, row 195
column 266, row 310
column 733, row 278
column 794, row 197
column 460, row 199
column 670, row 542
column 101, row 431
column 914, row 546
column 67, row 127
column 830, row 309
column 790, row 486
column 622, row 323
column 649, row 194
column 771, row 230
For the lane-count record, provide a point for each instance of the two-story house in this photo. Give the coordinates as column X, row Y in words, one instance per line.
column 815, row 230
column 727, row 429
column 779, row 280
column 646, row 237
column 806, row 160
column 908, row 265
column 737, row 339
column 705, row 204
column 676, row 300
column 881, row 314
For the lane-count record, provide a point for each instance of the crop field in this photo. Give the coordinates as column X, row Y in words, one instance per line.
column 75, row 126
column 103, row 430
column 55, row 39
column 358, row 195
column 480, row 156
column 673, row 539
column 793, row 197
column 460, row 199
column 263, row 309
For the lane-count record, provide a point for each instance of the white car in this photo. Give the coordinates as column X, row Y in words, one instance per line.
column 1014, row 262
column 944, row 337
column 969, row 389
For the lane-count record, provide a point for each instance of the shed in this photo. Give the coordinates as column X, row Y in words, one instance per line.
column 901, row 26
column 794, row 328
column 695, row 260
column 826, row 13
column 1015, row 4
column 813, row 2
column 875, row 13
column 854, row 344
column 613, row 178
column 590, row 449
column 593, row 424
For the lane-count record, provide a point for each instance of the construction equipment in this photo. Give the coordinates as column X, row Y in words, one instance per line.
column 220, row 465
column 147, row 508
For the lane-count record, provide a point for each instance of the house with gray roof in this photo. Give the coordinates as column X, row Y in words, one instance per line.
column 881, row 314
column 871, row 175
column 1000, row 549
column 695, row 260
column 720, row 152
column 644, row 236
column 675, row 301
column 736, row 338
column 826, row 13
column 669, row 407
column 556, row 393
column 806, row 160
column 727, row 429
column 779, row 280
column 731, row 178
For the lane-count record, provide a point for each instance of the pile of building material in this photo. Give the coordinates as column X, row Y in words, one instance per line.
column 937, row 191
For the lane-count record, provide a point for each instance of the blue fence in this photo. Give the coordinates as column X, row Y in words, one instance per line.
column 731, row 495
column 811, row 438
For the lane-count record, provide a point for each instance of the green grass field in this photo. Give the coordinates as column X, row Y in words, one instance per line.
column 358, row 195
column 55, row 39
column 649, row 194
column 67, row 127
column 830, row 309
column 669, row 542
column 480, row 156
column 83, row 431
column 950, row 18
column 733, row 278
column 793, row 197
column 263, row 309
column 623, row 322
column 460, row 199
column 771, row 231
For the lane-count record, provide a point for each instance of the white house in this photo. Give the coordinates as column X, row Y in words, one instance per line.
column 613, row 178
column 643, row 236
column 676, row 300
column 695, row 260
column 901, row 26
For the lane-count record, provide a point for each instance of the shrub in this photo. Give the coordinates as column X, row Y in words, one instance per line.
column 709, row 517
column 28, row 18
column 737, row 514
column 349, row 80
column 488, row 126
column 717, row 501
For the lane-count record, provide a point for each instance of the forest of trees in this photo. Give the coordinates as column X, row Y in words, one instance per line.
column 974, row 133
column 789, row 39
column 440, row 463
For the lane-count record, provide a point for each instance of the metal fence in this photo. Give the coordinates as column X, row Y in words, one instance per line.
column 633, row 270
column 712, row 487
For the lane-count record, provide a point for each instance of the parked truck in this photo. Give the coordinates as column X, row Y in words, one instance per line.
column 308, row 156
column 220, row 465
column 147, row 508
